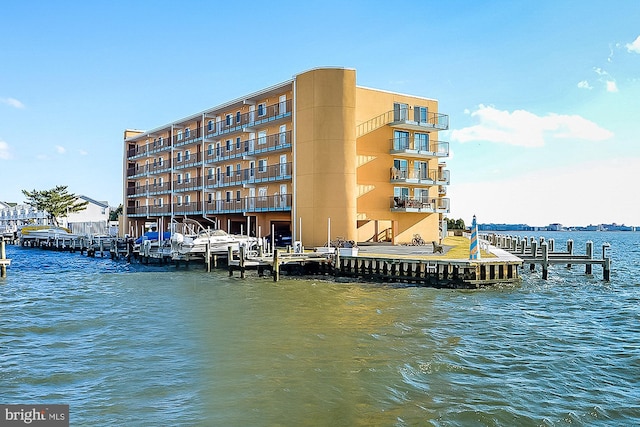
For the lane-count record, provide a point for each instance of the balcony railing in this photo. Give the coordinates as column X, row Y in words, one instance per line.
column 185, row 184
column 273, row 203
column 405, row 117
column 249, row 147
column 277, row 172
column 413, row 146
column 431, row 176
column 184, row 137
column 420, row 205
column 261, row 115
column 185, row 161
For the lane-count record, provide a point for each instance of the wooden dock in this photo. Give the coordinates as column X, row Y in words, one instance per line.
column 4, row 262
column 540, row 251
column 440, row 272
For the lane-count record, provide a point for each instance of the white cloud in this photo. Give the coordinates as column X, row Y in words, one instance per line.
column 83, row 152
column 611, row 86
column 635, row 46
column 576, row 195
column 12, row 102
column 584, row 85
column 526, row 129
column 5, row 154
column 60, row 149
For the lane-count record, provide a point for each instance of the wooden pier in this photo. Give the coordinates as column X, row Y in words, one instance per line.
column 4, row 262
column 534, row 251
column 440, row 272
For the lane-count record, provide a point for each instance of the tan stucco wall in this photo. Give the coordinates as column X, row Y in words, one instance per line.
column 374, row 163
column 325, row 173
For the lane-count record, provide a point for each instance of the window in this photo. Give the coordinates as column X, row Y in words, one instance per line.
column 217, row 149
column 210, row 125
column 210, row 174
column 262, row 165
column 400, row 140
column 262, row 110
column 210, row 150
column 160, row 181
column 161, row 141
column 262, row 137
column 155, row 142
column 229, row 119
column 187, row 199
column 179, row 200
column 187, row 177
column 179, row 156
column 421, row 141
column 160, row 161
column 238, row 195
column 238, row 117
column 238, row 169
column 209, row 197
column 179, row 178
column 160, row 202
column 420, row 114
column 229, row 170
column 187, row 133
column 262, row 193
column 155, row 162
column 400, row 111
column 179, row 135
column 237, row 143
column 228, row 145
column 187, row 155
column 228, row 196
column 400, row 169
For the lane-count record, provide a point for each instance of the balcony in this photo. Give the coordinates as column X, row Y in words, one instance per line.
column 269, row 114
column 424, row 177
column 188, row 184
column 186, row 161
column 419, row 149
column 418, row 119
column 185, row 137
column 274, row 203
column 249, row 147
column 251, row 176
column 419, row 205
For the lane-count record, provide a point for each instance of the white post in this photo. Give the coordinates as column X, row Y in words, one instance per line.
column 248, row 225
column 229, row 225
column 328, row 232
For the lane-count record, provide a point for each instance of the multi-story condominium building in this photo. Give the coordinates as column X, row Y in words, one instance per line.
column 313, row 152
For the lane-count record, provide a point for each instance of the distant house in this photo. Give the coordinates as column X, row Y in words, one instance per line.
column 94, row 219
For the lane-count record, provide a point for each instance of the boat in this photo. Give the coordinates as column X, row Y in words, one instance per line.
column 44, row 232
column 193, row 239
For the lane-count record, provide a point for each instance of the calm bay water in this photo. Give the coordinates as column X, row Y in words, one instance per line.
column 142, row 345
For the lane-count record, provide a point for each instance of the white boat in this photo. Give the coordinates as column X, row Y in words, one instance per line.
column 193, row 239
column 44, row 232
column 218, row 241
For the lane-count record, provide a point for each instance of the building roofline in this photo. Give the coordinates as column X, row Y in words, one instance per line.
column 396, row 93
column 95, row 202
column 191, row 117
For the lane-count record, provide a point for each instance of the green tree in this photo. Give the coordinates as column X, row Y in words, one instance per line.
column 455, row 224
column 114, row 214
column 57, row 202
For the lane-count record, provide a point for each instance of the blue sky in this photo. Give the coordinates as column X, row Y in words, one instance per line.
column 543, row 96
